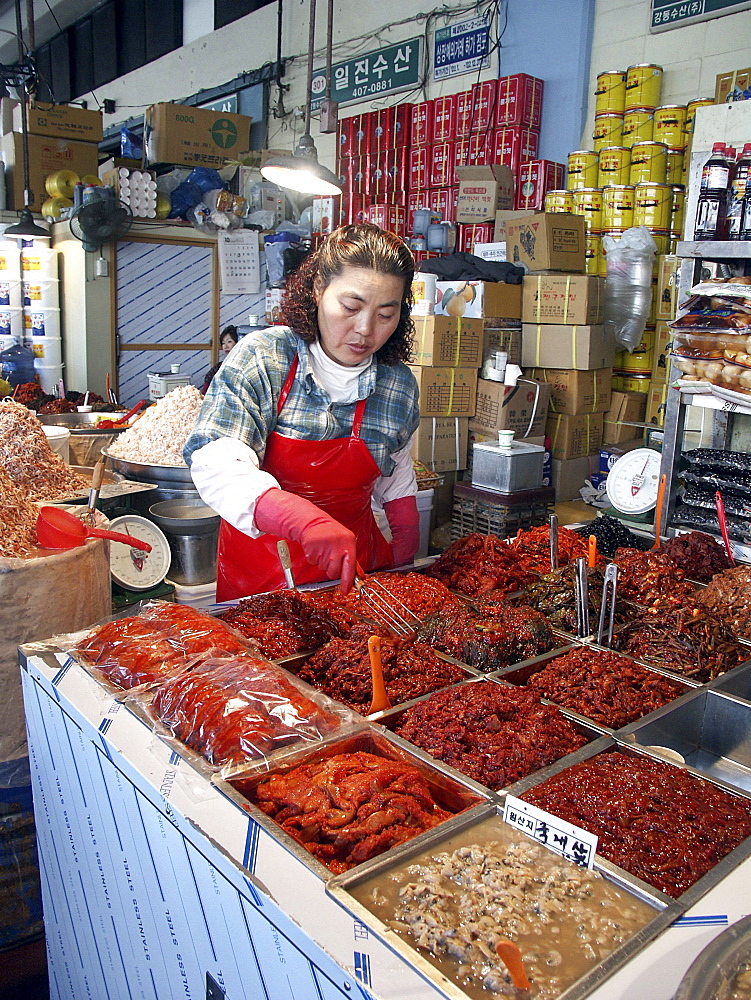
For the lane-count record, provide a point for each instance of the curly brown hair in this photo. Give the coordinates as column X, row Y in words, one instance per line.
column 363, row 245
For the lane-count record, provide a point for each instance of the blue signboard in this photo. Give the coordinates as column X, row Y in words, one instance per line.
column 461, row 48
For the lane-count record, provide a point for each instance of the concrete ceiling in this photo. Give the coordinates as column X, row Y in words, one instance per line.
column 45, row 24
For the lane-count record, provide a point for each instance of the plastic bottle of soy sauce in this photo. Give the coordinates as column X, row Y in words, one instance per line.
column 711, row 210
column 739, row 190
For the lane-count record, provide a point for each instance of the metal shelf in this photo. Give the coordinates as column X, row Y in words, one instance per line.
column 715, row 249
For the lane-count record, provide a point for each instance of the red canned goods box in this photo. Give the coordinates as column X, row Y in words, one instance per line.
column 388, row 173
column 444, row 118
column 473, row 150
column 353, row 133
column 514, row 145
column 389, row 217
column 519, row 100
column 469, row 234
column 534, row 180
column 389, row 128
column 325, row 214
column 442, row 164
column 419, row 168
column 354, row 209
column 422, row 123
column 444, row 200
column 357, row 175
column 484, row 100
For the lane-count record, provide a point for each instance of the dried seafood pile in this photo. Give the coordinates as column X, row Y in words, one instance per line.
column 26, row 456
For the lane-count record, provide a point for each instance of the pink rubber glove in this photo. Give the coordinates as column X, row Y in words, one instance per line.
column 325, row 542
column 404, row 521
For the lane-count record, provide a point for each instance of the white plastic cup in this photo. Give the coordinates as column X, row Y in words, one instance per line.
column 58, row 439
column 505, row 439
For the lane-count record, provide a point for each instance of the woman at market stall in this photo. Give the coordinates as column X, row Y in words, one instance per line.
column 305, row 423
column 227, row 341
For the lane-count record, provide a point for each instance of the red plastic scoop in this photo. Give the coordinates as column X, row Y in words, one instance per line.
column 58, row 529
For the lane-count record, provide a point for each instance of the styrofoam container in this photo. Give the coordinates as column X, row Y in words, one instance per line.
column 10, row 293
column 11, row 323
column 41, row 322
column 200, row 595
column 48, row 375
column 49, row 350
column 10, row 261
column 38, row 294
column 39, row 262
column 58, row 439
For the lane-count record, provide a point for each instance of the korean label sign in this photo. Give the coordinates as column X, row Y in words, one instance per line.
column 370, row 75
column 667, row 14
column 461, row 48
column 571, row 842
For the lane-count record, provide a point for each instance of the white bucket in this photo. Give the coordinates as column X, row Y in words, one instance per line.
column 10, row 293
column 11, row 323
column 41, row 322
column 40, row 294
column 58, row 439
column 7, row 341
column 48, row 375
column 10, row 260
column 47, row 350
column 423, row 293
column 39, row 262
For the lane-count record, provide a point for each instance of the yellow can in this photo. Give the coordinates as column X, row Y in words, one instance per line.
column 639, row 361
column 614, row 165
column 677, row 210
column 617, row 206
column 559, row 201
column 610, row 91
column 582, row 169
column 636, row 383
column 608, row 130
column 652, row 205
column 592, row 253
column 669, row 122
column 674, row 170
column 616, row 383
column 643, row 86
column 588, row 202
column 688, row 124
column 663, row 240
column 638, row 126
column 648, row 162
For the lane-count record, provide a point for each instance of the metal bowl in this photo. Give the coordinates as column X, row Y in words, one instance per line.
column 82, row 423
column 713, row 968
column 151, row 473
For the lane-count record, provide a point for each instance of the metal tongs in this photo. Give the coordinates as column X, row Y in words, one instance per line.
column 553, row 542
column 385, row 607
column 581, row 588
column 286, row 560
column 607, row 608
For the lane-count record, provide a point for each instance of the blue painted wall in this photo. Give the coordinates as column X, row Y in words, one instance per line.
column 552, row 39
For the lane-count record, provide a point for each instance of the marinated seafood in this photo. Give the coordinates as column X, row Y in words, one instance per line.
column 698, row 554
column 478, row 563
column 534, row 545
column 494, row 733
column 651, row 578
column 281, row 623
column 342, row 670
column 740, row 985
column 414, row 591
column 554, row 594
column 26, row 456
column 349, row 807
column 728, row 596
column 609, row 689
column 654, row 820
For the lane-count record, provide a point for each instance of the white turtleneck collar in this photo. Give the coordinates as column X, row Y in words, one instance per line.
column 339, row 381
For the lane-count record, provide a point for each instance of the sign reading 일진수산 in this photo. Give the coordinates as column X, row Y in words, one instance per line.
column 372, row 74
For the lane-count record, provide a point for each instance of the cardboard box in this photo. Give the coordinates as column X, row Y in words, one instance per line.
column 483, row 191
column 46, row 155
column 574, row 436
column 547, row 241
column 570, row 474
column 60, row 121
column 193, row 137
column 657, row 399
column 663, row 346
column 503, row 338
column 552, row 345
column 610, row 455
column 624, row 406
column 274, row 298
column 473, row 299
column 490, row 251
column 448, row 341
column 574, row 391
column 733, row 86
column 441, row 443
column 502, row 218
column 521, row 408
column 446, row 392
column 563, row 298
column 668, row 275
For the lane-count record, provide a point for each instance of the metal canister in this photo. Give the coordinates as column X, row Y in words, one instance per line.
column 663, row 240
column 636, row 383
column 614, row 164
column 643, row 86
column 669, row 122
column 559, row 201
column 688, row 124
column 638, row 126
column 588, row 202
column 674, row 170
column 608, row 130
column 648, row 162
column 617, row 207
column 592, row 253
column 610, row 91
column 652, row 205
column 582, row 169
column 677, row 211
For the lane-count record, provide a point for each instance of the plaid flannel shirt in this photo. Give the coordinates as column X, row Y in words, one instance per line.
column 242, row 399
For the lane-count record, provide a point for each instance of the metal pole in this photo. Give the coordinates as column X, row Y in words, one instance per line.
column 28, row 195
column 311, row 46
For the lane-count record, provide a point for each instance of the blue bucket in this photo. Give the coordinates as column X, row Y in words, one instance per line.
column 20, row 887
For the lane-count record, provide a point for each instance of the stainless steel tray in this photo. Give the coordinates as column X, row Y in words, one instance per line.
column 113, row 485
column 84, row 423
column 151, row 473
column 736, row 682
column 481, row 825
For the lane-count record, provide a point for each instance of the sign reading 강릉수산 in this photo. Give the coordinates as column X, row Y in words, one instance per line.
column 461, row 48
column 370, row 75
column 667, row 14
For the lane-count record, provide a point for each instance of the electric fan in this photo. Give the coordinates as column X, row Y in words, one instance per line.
column 101, row 221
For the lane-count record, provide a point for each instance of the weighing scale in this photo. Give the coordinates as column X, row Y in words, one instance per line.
column 138, row 575
column 632, row 484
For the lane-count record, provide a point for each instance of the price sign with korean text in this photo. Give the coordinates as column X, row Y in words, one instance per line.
column 665, row 14
column 370, row 75
column 571, row 842
column 461, row 48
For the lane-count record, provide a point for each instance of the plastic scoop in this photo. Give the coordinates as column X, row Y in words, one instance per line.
column 658, row 509
column 380, row 700
column 57, row 529
column 723, row 522
column 592, row 551
column 511, row 957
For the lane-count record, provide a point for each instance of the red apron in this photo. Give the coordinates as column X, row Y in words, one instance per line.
column 338, row 476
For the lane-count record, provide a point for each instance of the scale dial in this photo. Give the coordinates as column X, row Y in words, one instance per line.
column 133, row 568
column 633, row 481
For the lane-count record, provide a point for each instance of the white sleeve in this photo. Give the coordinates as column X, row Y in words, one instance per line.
column 228, row 478
column 401, row 482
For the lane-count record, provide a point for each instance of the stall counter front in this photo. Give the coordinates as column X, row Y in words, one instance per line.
column 157, row 885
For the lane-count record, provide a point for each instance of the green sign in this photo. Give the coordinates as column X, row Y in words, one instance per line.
column 668, row 14
column 373, row 74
